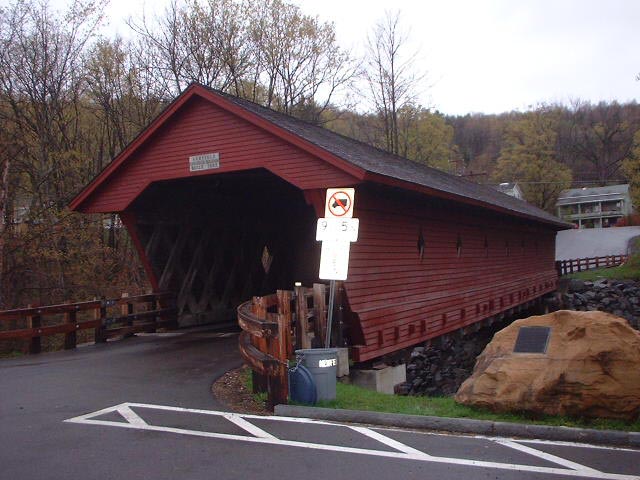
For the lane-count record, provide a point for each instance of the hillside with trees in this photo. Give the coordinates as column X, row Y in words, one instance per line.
column 72, row 99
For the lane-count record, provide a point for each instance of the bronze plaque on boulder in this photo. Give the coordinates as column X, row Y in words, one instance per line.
column 532, row 340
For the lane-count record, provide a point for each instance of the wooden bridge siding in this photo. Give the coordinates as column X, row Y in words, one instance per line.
column 401, row 300
column 201, row 127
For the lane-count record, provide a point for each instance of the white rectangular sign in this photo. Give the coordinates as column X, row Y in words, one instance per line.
column 334, row 260
column 208, row 161
column 339, row 202
column 337, row 229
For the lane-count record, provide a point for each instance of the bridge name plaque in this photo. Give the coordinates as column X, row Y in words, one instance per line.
column 208, row 161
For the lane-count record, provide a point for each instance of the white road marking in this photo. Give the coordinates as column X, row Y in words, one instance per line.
column 572, row 444
column 131, row 416
column 577, row 471
column 547, row 456
column 249, row 427
column 388, row 441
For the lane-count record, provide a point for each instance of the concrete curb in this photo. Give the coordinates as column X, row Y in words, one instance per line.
column 464, row 425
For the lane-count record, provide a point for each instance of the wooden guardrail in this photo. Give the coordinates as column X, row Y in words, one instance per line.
column 33, row 323
column 565, row 267
column 273, row 326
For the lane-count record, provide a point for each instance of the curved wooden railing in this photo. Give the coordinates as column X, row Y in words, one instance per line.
column 565, row 267
column 265, row 343
column 33, row 323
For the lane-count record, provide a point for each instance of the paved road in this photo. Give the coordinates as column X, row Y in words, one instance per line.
column 594, row 242
column 141, row 409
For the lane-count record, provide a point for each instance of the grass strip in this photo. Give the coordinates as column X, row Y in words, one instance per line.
column 352, row 397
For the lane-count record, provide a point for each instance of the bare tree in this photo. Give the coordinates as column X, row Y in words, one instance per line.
column 390, row 73
column 299, row 63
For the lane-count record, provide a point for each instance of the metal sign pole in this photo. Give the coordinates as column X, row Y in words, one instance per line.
column 332, row 296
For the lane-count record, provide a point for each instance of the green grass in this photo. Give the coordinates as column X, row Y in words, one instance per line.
column 352, row 397
column 629, row 271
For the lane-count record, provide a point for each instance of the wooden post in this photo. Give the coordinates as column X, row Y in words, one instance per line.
column 153, row 305
column 320, row 311
column 259, row 381
column 127, row 309
column 284, row 324
column 70, row 338
column 302, row 324
column 100, row 313
column 34, row 321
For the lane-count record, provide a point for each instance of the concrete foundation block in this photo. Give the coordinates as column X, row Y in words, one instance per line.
column 382, row 380
column 343, row 362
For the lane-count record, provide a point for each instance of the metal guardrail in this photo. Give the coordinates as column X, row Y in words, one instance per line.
column 159, row 306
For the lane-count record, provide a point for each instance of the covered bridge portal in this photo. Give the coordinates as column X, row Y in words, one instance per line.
column 435, row 252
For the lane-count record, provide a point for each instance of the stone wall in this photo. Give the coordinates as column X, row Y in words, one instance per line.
column 619, row 297
column 440, row 367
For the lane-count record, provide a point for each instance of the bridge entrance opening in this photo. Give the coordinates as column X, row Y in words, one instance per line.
column 218, row 240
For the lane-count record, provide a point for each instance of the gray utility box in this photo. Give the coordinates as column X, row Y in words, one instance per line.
column 322, row 363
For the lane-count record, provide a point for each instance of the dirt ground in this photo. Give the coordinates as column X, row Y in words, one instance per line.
column 231, row 390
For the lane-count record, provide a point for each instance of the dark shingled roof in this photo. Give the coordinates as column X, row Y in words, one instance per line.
column 384, row 163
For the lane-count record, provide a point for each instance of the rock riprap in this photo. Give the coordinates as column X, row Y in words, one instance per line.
column 591, row 368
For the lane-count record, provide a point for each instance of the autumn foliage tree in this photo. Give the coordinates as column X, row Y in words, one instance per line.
column 528, row 157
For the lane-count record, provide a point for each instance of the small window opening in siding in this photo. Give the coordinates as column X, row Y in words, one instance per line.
column 459, row 246
column 266, row 259
column 486, row 247
column 420, row 244
column 462, row 313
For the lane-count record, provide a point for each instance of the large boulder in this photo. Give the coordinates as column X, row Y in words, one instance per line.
column 591, row 368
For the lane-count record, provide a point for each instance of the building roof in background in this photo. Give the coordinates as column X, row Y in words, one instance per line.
column 593, row 194
column 508, row 188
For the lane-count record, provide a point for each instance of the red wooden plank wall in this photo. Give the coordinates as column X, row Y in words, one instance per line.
column 401, row 299
column 201, row 127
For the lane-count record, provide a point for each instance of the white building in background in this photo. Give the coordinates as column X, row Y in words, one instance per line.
column 594, row 207
column 511, row 189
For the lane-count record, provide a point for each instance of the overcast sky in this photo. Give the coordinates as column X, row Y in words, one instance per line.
column 495, row 55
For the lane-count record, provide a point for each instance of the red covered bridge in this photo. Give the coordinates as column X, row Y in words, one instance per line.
column 221, row 195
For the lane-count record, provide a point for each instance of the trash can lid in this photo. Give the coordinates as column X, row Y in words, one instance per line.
column 317, row 351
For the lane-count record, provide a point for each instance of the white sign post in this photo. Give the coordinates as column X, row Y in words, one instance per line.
column 336, row 231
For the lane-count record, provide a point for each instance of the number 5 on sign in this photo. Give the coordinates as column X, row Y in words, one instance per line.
column 337, row 229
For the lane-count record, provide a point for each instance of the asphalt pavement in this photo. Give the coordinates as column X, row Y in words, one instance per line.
column 141, row 408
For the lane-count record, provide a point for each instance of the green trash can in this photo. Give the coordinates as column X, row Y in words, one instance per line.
column 323, row 365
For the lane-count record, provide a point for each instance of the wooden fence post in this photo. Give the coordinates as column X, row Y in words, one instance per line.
column 153, row 305
column 100, row 313
column 320, row 312
column 302, row 324
column 127, row 309
column 259, row 381
column 70, row 338
column 34, row 321
column 284, row 325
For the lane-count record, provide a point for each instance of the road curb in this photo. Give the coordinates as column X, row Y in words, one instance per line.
column 464, row 425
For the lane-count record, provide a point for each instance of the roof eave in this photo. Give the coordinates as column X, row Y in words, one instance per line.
column 383, row 179
column 199, row 90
